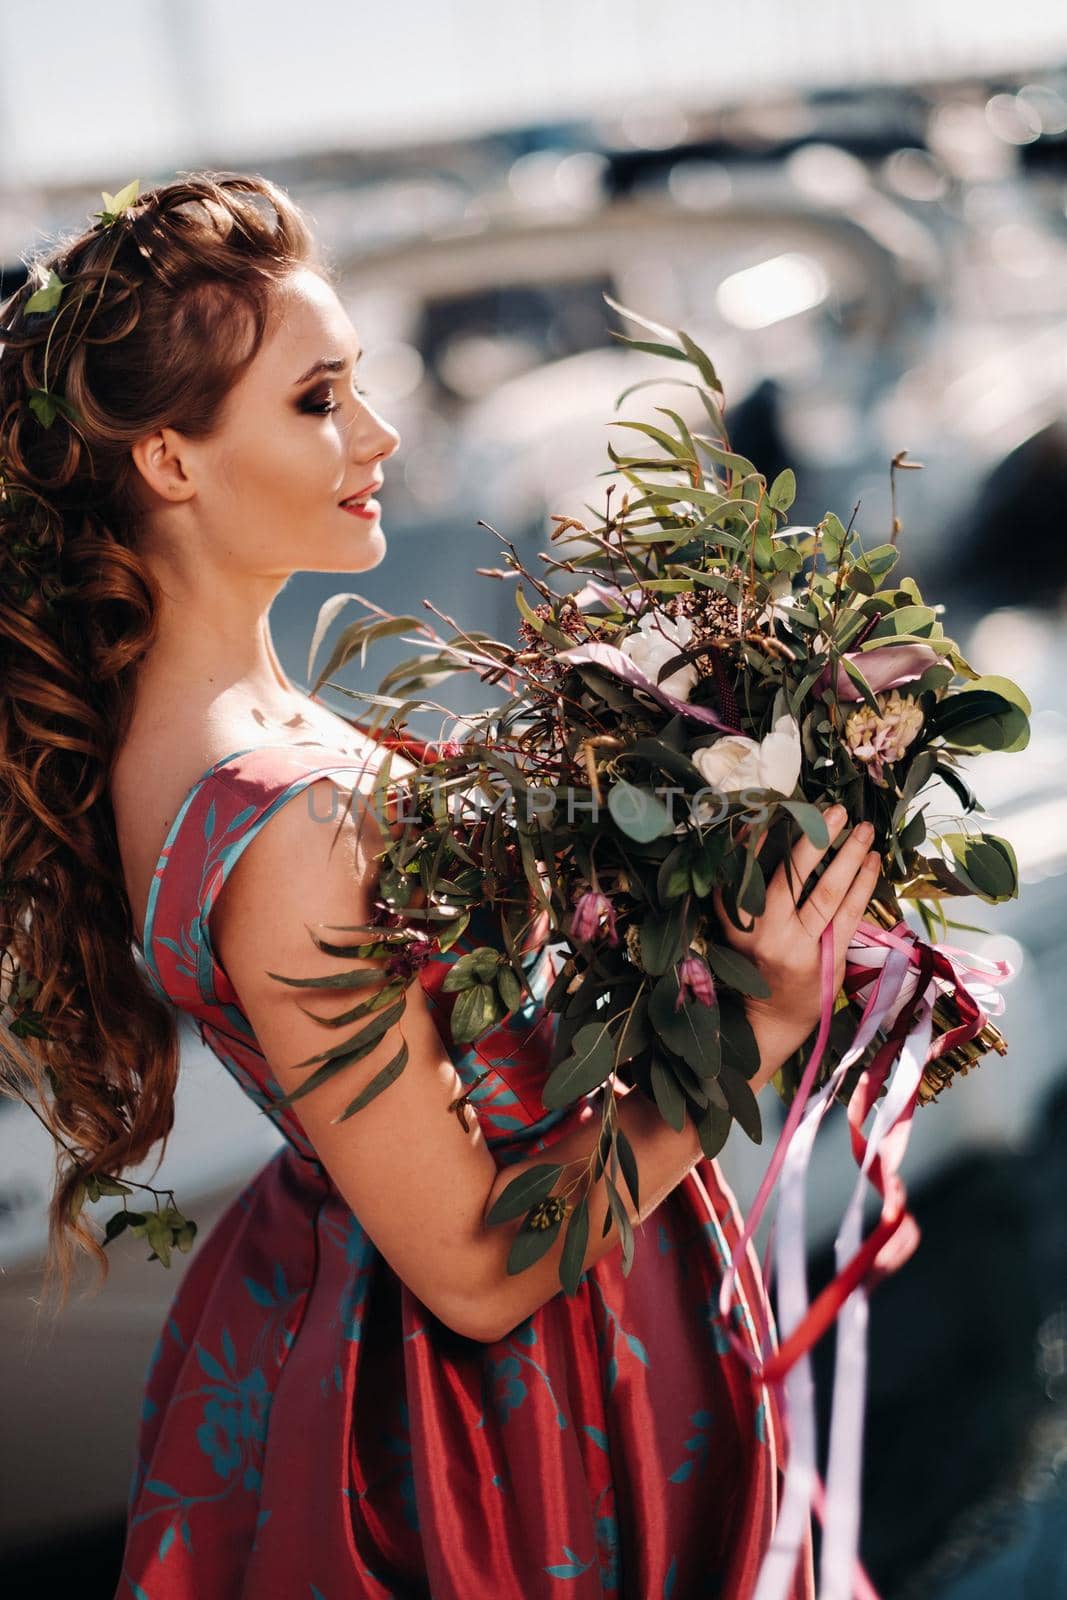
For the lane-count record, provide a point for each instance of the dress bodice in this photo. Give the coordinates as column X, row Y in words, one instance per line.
column 219, row 817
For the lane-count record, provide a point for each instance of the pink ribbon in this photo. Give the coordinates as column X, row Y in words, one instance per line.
column 900, row 976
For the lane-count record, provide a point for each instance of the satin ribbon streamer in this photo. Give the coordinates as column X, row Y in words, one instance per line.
column 899, row 977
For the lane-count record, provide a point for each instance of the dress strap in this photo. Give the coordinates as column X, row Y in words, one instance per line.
column 217, row 821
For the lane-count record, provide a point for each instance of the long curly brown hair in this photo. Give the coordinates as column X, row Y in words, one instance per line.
column 162, row 308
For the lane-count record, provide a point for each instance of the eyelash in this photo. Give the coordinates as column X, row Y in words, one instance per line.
column 325, row 407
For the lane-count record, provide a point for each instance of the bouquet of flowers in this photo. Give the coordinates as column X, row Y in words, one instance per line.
column 695, row 682
column 708, row 684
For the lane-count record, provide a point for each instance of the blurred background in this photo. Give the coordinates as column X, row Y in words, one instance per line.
column 861, row 212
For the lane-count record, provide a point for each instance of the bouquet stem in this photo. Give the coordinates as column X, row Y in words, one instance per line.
column 958, row 1061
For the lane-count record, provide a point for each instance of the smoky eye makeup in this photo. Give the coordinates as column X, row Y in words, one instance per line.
column 320, row 402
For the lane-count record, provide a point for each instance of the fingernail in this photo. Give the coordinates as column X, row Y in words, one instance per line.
column 836, row 814
column 865, row 832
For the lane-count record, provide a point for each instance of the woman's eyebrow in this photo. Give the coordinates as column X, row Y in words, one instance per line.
column 325, row 364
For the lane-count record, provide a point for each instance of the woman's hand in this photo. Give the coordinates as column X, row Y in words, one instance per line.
column 783, row 943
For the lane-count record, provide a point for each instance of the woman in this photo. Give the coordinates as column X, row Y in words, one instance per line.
column 351, row 1396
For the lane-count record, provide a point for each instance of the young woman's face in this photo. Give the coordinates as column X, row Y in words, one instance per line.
column 291, row 471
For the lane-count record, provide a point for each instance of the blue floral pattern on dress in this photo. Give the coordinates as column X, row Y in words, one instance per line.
column 306, row 1417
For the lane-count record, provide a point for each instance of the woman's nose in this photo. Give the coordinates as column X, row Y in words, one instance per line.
column 373, row 438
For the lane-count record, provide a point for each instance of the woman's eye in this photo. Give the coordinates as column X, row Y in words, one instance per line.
column 317, row 407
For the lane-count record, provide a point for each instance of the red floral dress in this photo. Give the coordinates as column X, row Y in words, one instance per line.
column 312, row 1432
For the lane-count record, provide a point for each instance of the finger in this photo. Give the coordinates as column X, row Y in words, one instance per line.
column 857, row 899
column 822, row 903
column 796, row 868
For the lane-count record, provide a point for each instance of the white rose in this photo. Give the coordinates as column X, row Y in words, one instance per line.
column 736, row 762
column 658, row 638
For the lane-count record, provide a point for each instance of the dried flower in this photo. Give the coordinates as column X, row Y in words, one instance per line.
column 695, row 983
column 412, row 958
column 590, row 909
column 876, row 739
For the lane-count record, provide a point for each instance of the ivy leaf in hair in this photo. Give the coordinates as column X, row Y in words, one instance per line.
column 47, row 406
column 116, row 204
column 48, row 297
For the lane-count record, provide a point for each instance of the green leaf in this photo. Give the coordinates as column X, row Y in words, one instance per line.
column 691, row 1031
column 475, row 1011
column 509, row 987
column 634, row 1034
column 905, row 619
column 856, row 676
column 706, row 863
column 701, row 361
column 43, row 406
column 660, row 938
column 622, row 1221
column 752, row 893
column 737, row 971
column 658, row 435
column 914, row 834
column 575, row 1244
column 811, row 820
column 980, row 719
column 834, row 538
column 530, row 1244
column 879, row 561
column 667, row 1094
column 117, row 1223
column 713, row 1129
column 585, row 1069
column 673, row 879
column 344, row 1054
column 380, row 1081
column 116, row 204
column 638, row 814
column 738, row 1040
column 47, row 298
column 986, row 864
column 742, row 1102
column 628, row 1163
column 478, row 966
column 783, row 490
column 524, row 1192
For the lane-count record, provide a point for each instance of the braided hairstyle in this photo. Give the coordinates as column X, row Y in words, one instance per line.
column 145, row 320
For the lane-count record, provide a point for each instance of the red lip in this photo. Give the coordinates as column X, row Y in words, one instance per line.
column 362, row 494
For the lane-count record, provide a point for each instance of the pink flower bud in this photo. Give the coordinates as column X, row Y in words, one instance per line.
column 590, row 909
column 694, row 983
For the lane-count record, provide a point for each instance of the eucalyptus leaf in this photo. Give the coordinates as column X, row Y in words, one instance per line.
column 524, row 1192
column 742, row 1102
column 585, row 1069
column 530, row 1244
column 637, row 813
column 667, row 1094
column 381, row 1080
column 690, row 1030
column 575, row 1244
column 713, row 1129
column 736, row 970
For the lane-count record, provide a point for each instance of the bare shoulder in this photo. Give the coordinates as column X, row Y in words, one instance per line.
column 314, row 864
column 155, row 771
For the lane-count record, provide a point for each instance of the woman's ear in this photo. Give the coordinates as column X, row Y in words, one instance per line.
column 163, row 463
